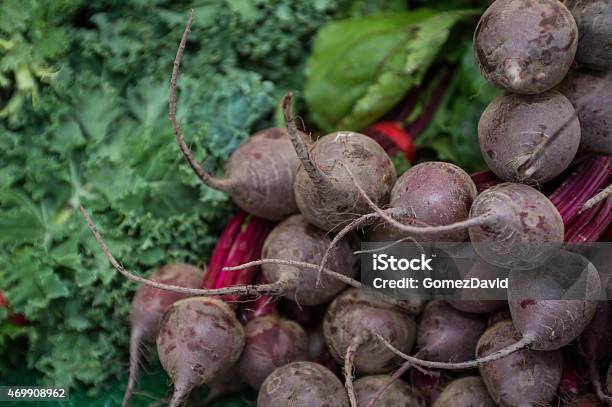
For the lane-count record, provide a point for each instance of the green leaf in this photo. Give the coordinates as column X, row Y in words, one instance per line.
column 360, row 68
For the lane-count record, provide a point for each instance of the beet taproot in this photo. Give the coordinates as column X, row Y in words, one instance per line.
column 514, row 127
column 324, row 192
column 199, row 338
column 302, row 384
column 594, row 21
column 297, row 240
column 148, row 307
column 525, row 46
column 524, row 378
column 445, row 334
column 260, row 173
column 591, row 94
column 271, row 342
column 467, row 391
column 399, row 393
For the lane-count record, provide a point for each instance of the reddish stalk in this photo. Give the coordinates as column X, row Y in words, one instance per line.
column 222, row 248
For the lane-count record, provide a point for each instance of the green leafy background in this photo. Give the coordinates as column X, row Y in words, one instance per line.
column 83, row 121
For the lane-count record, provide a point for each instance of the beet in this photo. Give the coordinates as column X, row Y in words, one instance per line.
column 461, row 299
column 259, row 174
column 354, row 315
column 524, row 378
column 399, row 393
column 513, row 127
column 445, row 334
column 323, row 189
column 148, row 307
column 525, row 46
column 541, row 306
column 467, row 391
column 591, row 94
column 434, row 193
column 199, row 338
column 302, row 384
column 594, row 21
column 271, row 342
column 527, row 228
column 297, row 240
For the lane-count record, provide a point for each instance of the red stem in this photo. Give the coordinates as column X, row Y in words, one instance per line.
column 595, row 230
column 221, row 250
column 247, row 247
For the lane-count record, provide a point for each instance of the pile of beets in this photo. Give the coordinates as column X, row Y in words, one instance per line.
column 280, row 307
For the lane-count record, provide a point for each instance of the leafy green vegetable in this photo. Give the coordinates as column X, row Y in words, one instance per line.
column 99, row 136
column 22, row 66
column 361, row 67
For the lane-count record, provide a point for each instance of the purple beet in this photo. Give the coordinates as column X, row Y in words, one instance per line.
column 447, row 335
column 399, row 393
column 199, row 339
column 271, row 342
column 524, row 378
column 302, row 384
column 525, row 46
column 465, row 392
column 148, row 307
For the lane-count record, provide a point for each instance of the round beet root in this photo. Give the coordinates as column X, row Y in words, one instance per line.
column 526, row 231
column 447, row 335
column 435, row 193
column 296, row 239
column 544, row 302
column 591, row 94
column 148, row 307
column 465, row 392
column 462, row 302
column 524, row 378
column 302, row 384
column 260, row 174
column 399, row 393
column 271, row 342
column 525, row 46
column 350, row 323
column 513, row 127
column 335, row 202
column 594, row 20
column 198, row 339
